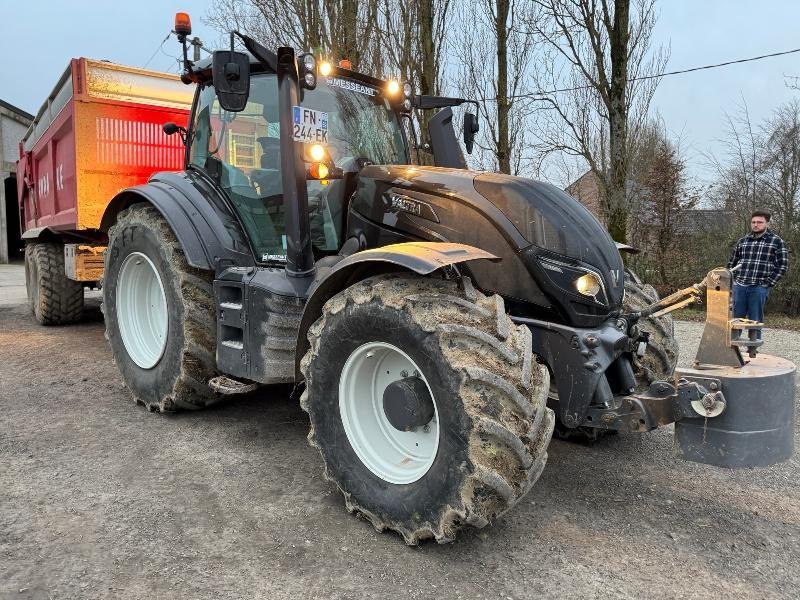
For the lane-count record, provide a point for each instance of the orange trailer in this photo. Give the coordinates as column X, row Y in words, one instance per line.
column 100, row 131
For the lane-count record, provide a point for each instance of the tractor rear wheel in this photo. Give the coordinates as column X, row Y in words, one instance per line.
column 159, row 313
column 54, row 298
column 426, row 404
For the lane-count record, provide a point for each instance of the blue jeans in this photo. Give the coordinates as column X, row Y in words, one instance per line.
column 749, row 300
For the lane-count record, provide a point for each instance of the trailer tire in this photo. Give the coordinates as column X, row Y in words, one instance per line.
column 54, row 298
column 143, row 257
column 488, row 397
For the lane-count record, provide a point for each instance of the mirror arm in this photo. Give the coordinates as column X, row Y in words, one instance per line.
column 427, row 102
column 263, row 55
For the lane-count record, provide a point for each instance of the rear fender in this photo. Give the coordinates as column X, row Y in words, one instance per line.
column 211, row 239
column 422, row 258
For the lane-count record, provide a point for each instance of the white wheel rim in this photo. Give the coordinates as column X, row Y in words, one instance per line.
column 141, row 310
column 395, row 456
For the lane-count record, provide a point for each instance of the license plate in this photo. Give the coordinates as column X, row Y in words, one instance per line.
column 310, row 126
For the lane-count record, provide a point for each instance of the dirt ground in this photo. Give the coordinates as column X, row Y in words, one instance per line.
column 100, row 499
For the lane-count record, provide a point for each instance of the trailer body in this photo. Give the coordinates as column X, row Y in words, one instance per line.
column 99, row 132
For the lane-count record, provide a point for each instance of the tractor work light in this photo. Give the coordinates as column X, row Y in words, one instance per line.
column 392, row 87
column 346, row 63
column 183, row 24
column 316, row 152
column 588, row 284
column 318, row 170
column 325, row 68
column 307, row 66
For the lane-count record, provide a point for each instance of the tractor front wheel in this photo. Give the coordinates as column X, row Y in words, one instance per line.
column 426, row 404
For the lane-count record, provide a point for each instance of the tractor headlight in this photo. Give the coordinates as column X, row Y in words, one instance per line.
column 588, row 284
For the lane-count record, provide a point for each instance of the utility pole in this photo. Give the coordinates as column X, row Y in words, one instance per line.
column 197, row 44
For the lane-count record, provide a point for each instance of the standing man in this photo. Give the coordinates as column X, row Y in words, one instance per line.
column 760, row 259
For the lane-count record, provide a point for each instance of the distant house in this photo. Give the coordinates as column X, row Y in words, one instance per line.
column 586, row 189
column 14, row 122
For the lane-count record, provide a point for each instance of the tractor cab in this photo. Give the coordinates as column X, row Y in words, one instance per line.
column 346, row 122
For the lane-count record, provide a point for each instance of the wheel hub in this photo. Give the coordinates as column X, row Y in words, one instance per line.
column 141, row 310
column 408, row 403
column 390, row 418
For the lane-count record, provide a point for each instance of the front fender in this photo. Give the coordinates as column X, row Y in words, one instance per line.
column 422, row 258
column 210, row 240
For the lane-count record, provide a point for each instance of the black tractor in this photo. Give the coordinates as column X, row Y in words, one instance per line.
column 438, row 321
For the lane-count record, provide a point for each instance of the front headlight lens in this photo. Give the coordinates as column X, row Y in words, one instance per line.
column 588, row 284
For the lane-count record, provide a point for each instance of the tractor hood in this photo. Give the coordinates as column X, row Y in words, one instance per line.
column 553, row 234
column 558, row 226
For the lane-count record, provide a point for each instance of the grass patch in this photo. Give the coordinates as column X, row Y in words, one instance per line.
column 774, row 321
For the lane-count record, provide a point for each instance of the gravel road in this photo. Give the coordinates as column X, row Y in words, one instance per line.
column 100, row 499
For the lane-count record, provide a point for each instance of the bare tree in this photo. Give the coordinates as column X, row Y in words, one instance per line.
column 738, row 183
column 663, row 196
column 780, row 166
column 414, row 41
column 335, row 28
column 495, row 50
column 600, row 56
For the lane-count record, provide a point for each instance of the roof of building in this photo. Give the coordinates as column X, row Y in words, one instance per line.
column 19, row 111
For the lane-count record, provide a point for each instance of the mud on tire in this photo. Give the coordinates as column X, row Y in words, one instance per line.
column 179, row 379
column 53, row 297
column 489, row 392
column 662, row 348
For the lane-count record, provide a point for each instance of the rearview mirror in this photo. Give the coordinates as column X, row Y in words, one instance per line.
column 231, row 77
column 471, row 127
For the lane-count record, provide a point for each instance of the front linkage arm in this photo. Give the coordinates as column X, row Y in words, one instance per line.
column 667, row 402
column 661, row 404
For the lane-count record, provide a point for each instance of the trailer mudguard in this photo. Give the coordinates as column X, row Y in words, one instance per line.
column 422, row 258
column 211, row 237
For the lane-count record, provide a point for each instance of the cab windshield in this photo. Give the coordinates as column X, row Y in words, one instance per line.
column 241, row 151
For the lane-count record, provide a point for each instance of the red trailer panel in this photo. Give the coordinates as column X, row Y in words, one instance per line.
column 99, row 132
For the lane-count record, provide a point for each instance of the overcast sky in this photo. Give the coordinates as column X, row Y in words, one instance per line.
column 38, row 37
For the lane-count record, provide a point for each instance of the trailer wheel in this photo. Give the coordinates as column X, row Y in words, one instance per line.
column 426, row 404
column 159, row 313
column 658, row 361
column 53, row 297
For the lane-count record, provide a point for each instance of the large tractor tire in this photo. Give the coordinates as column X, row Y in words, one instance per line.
column 658, row 362
column 54, row 298
column 661, row 356
column 426, row 404
column 159, row 313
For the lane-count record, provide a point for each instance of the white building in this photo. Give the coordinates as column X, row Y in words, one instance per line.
column 14, row 122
